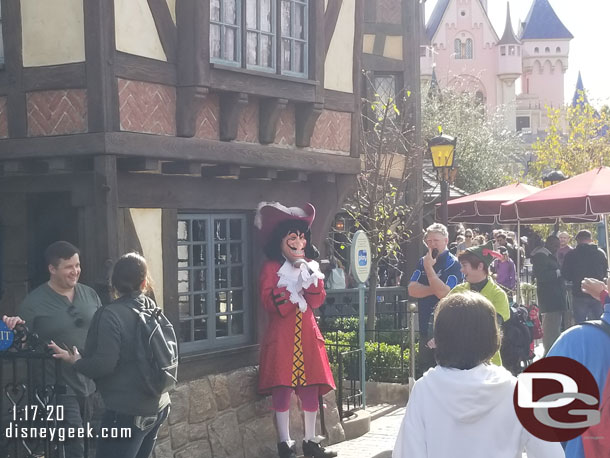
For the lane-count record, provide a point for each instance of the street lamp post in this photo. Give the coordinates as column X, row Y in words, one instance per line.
column 549, row 179
column 442, row 150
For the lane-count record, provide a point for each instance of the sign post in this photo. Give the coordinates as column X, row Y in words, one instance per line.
column 361, row 269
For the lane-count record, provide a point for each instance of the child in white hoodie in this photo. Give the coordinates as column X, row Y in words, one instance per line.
column 463, row 407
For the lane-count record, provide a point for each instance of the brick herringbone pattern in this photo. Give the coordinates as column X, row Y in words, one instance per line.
column 147, row 107
column 332, row 131
column 285, row 133
column 389, row 11
column 207, row 119
column 57, row 112
column 3, row 118
column 247, row 130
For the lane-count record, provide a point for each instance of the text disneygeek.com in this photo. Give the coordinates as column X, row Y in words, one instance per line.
column 63, row 433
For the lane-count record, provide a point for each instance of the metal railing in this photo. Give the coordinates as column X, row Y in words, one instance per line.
column 28, row 399
column 349, row 394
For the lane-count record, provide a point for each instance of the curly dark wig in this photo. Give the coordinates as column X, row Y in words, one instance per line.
column 273, row 249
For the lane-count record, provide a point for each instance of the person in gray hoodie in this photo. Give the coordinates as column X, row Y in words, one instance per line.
column 463, row 407
column 584, row 261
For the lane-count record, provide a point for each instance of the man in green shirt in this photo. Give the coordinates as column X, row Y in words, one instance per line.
column 61, row 310
column 475, row 263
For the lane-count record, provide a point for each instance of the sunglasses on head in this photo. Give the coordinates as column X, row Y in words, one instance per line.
column 79, row 321
column 468, row 236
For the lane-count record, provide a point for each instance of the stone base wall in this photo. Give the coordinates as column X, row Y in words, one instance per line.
column 222, row 416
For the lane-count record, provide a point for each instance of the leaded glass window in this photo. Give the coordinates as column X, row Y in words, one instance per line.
column 213, row 289
column 468, row 54
column 294, row 30
column 385, row 93
column 225, row 30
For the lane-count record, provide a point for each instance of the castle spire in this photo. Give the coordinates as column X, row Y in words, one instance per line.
column 542, row 23
column 580, row 96
column 509, row 37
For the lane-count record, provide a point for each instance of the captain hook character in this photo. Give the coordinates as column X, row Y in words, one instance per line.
column 293, row 357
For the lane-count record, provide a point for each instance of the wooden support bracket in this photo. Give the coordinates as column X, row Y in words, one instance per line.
column 189, row 99
column 306, row 116
column 231, row 104
column 261, row 173
column 269, row 113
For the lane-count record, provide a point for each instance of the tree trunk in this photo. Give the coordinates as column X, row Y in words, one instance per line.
column 371, row 306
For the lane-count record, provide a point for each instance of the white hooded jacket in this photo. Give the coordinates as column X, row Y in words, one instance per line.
column 456, row 413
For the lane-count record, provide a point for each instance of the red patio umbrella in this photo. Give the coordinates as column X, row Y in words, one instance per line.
column 484, row 207
column 583, row 196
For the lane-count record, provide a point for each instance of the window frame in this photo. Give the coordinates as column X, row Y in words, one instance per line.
column 212, row 341
column 222, row 25
column 278, row 39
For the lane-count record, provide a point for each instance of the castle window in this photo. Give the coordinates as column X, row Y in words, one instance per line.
column 511, row 50
column 468, row 48
column 480, row 97
column 262, row 34
column 536, row 50
column 463, row 13
column 457, row 45
column 503, row 50
column 523, row 123
column 422, row 51
column 547, row 50
column 558, row 50
column 385, row 86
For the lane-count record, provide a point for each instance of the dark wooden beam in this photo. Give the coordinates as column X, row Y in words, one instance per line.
column 188, row 103
column 13, row 55
column 356, row 124
column 381, row 64
column 138, row 164
column 379, row 44
column 322, row 178
column 231, row 104
column 269, row 113
column 222, row 170
column 181, row 168
column 339, row 101
column 102, row 86
column 370, row 11
column 193, row 56
column 262, row 84
column 317, row 48
column 291, row 175
column 306, row 115
column 169, row 244
column 140, row 68
column 387, row 29
column 68, row 76
column 176, row 148
column 330, row 20
column 261, row 173
column 166, row 28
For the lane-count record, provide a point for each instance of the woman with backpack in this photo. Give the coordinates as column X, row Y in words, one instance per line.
column 111, row 358
column 463, row 407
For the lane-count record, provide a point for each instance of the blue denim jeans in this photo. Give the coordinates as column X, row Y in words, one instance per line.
column 586, row 308
column 139, row 445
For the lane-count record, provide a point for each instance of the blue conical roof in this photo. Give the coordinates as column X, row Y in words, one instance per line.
column 580, row 90
column 542, row 23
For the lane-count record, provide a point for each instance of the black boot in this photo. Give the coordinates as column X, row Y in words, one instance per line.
column 286, row 452
column 312, row 449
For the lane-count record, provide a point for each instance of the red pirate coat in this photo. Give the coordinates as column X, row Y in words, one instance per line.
column 276, row 358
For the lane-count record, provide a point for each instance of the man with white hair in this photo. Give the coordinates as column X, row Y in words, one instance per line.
column 436, row 274
column 564, row 246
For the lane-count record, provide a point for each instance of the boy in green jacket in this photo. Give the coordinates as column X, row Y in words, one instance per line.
column 475, row 263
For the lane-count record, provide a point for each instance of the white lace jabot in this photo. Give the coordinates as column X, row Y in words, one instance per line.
column 297, row 279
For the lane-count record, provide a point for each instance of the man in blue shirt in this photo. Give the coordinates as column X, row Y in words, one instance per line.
column 590, row 346
column 436, row 274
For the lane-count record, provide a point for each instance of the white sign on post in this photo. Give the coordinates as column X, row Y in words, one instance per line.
column 361, row 257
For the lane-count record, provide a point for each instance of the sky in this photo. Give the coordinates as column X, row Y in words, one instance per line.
column 588, row 20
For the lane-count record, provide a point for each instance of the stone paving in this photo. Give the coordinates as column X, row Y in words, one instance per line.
column 378, row 442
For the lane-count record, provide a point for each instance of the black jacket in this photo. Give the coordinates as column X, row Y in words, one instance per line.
column 109, row 358
column 584, row 261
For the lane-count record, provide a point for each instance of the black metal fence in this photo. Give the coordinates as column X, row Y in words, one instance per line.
column 31, row 420
column 389, row 348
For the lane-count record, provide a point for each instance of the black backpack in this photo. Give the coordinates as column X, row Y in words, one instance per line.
column 157, row 349
column 516, row 340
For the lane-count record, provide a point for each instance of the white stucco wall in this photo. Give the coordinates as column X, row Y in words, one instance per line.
column 147, row 222
column 338, row 68
column 135, row 30
column 53, row 32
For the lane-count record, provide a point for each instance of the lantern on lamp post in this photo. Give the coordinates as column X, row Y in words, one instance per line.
column 552, row 177
column 442, row 150
column 549, row 179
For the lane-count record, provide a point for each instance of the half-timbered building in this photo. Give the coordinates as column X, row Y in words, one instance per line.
column 158, row 125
